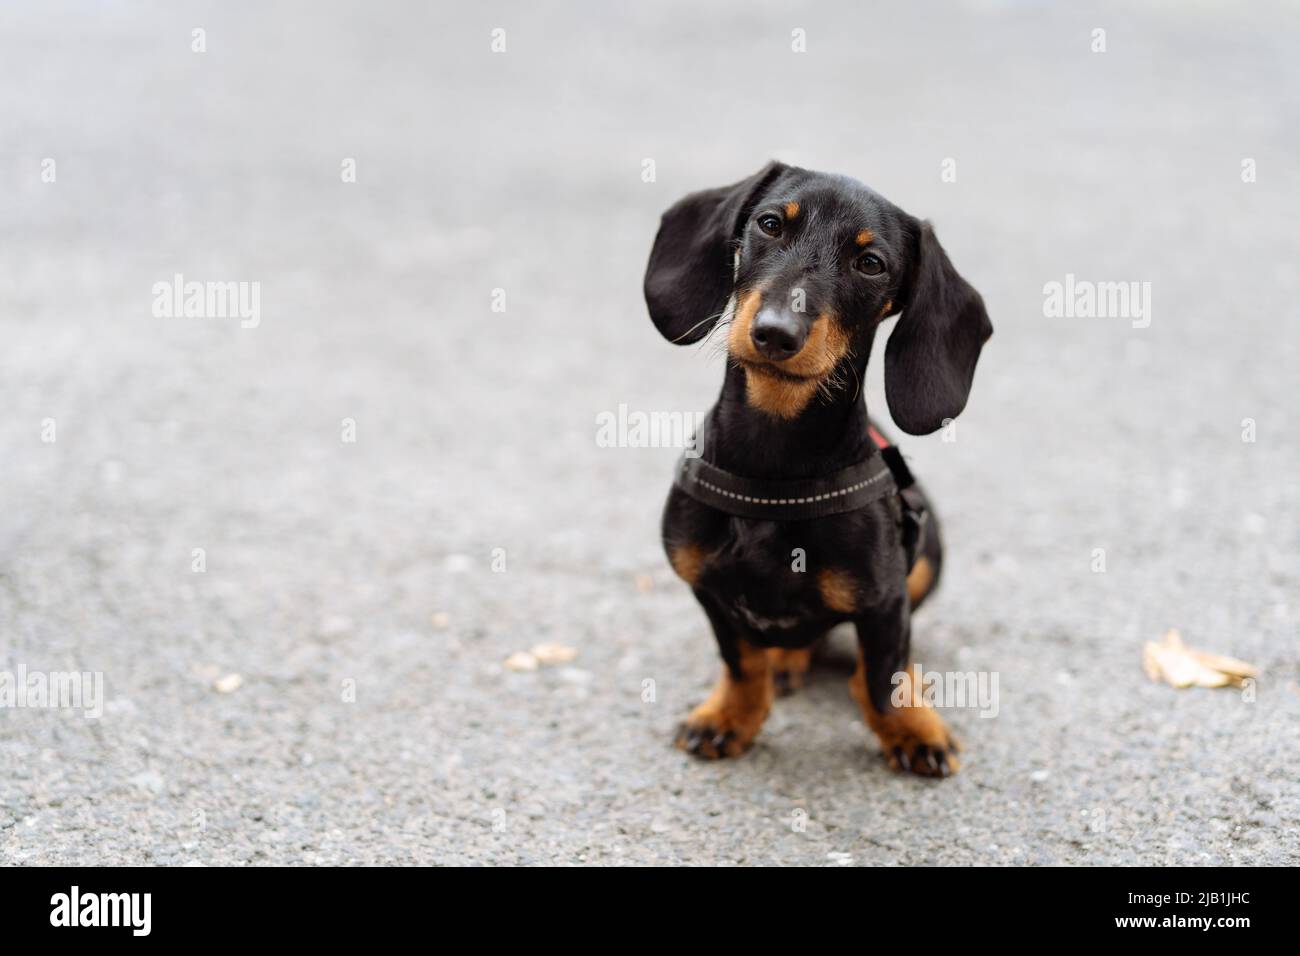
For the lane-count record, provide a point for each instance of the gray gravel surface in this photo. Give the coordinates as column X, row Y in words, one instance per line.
column 351, row 584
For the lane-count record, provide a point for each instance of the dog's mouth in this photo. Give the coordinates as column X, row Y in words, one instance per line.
column 764, row 367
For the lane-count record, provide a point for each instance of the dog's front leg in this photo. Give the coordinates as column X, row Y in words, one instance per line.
column 732, row 715
column 912, row 734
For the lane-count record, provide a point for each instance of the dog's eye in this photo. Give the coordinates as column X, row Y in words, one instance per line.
column 770, row 224
column 869, row 265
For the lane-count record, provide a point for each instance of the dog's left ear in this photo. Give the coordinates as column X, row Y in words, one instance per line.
column 691, row 269
column 931, row 356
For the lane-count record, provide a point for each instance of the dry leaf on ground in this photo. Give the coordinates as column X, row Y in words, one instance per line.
column 521, row 661
column 554, row 653
column 1176, row 664
column 541, row 655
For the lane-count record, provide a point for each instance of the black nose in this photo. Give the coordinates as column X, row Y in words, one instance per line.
column 778, row 334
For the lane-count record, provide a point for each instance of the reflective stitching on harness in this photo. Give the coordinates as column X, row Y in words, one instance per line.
column 791, row 501
column 880, row 474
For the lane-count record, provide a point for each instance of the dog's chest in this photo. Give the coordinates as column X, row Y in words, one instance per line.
column 768, row 577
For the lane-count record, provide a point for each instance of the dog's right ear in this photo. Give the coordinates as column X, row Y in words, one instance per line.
column 689, row 278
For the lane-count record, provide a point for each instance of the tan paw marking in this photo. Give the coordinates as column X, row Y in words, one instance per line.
column 912, row 738
column 729, row 720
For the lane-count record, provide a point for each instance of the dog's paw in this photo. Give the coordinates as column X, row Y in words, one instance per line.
column 714, row 733
column 923, row 747
column 913, row 737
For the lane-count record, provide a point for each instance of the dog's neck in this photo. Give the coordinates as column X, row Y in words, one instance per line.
column 827, row 434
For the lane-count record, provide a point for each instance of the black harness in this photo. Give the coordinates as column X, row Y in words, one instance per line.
column 881, row 474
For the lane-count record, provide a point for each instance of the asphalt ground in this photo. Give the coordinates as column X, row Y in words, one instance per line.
column 359, row 598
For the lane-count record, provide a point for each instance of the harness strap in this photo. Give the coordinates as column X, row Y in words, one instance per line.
column 915, row 514
column 846, row 490
column 842, row 491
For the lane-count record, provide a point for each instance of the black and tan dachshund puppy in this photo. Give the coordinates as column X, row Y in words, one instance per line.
column 787, row 523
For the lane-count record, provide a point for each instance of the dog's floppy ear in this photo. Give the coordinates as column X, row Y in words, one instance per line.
column 688, row 280
column 931, row 356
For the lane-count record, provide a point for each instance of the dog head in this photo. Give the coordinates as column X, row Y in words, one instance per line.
column 805, row 266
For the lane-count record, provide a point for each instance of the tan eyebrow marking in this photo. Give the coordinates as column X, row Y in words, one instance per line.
column 865, row 236
column 791, row 210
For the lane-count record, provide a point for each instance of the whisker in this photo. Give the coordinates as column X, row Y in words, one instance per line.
column 724, row 319
column 708, row 318
column 836, row 379
column 857, row 390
